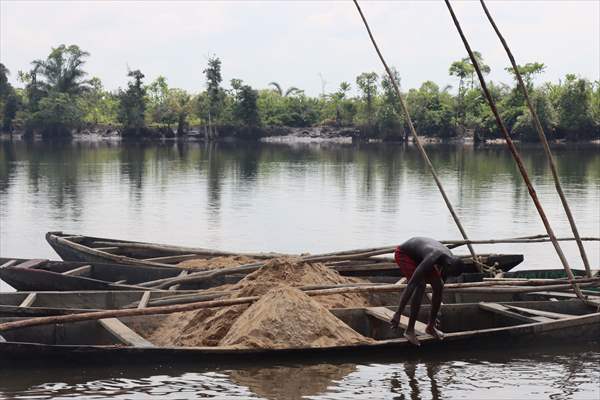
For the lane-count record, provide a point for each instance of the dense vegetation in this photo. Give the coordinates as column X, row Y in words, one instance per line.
column 56, row 99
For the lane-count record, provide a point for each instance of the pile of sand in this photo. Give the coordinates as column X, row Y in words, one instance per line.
column 286, row 317
column 296, row 273
column 207, row 327
column 216, row 262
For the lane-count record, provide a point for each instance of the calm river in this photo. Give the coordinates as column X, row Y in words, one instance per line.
column 301, row 198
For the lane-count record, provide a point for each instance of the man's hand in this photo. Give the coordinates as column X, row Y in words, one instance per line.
column 395, row 321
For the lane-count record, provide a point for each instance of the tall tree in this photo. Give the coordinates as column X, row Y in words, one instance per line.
column 528, row 72
column 63, row 70
column 367, row 83
column 277, row 88
column 132, row 107
column 215, row 94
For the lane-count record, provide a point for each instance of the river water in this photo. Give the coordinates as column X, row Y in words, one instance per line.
column 301, row 198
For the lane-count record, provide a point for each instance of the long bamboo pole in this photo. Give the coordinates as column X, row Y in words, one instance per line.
column 348, row 255
column 542, row 136
column 415, row 135
column 474, row 287
column 515, row 154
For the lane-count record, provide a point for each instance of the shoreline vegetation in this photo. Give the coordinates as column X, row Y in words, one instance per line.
column 57, row 101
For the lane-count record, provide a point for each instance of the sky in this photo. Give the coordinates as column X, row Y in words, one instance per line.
column 313, row 45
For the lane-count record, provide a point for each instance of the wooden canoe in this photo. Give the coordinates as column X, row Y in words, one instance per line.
column 41, row 275
column 32, row 304
column 467, row 326
column 44, row 275
column 42, row 303
column 72, row 247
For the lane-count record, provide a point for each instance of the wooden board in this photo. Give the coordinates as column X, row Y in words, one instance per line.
column 182, row 274
column 505, row 311
column 28, row 301
column 83, row 270
column 8, row 264
column 385, row 314
column 540, row 313
column 144, row 300
column 31, row 263
column 124, row 333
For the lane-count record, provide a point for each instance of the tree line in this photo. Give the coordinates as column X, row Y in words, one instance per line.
column 57, row 98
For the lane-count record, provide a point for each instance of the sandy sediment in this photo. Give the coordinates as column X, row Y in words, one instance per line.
column 207, row 327
column 216, row 262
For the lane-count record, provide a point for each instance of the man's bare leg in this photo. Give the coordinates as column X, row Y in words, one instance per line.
column 415, row 305
column 437, row 286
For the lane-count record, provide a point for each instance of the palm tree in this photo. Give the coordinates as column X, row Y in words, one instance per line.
column 62, row 70
column 279, row 90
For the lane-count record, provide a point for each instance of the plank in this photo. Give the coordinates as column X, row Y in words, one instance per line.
column 110, row 250
column 167, row 259
column 8, row 264
column 540, row 313
column 125, row 334
column 31, row 263
column 181, row 274
column 75, row 239
column 28, row 301
column 385, row 314
column 83, row 270
column 144, row 300
column 120, row 282
column 502, row 310
column 401, row 281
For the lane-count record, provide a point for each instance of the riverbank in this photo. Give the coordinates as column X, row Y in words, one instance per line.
column 269, row 134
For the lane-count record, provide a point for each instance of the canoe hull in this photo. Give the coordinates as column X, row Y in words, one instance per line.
column 585, row 328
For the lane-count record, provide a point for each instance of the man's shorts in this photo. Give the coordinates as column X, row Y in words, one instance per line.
column 408, row 266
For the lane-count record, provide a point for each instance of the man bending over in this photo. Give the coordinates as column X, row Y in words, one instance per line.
column 423, row 260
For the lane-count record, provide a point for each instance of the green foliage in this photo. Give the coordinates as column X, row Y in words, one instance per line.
column 57, row 85
column 431, row 110
column 388, row 116
column 132, row 105
column 524, row 127
column 99, row 106
column 9, row 111
column 57, row 115
column 245, row 109
column 63, row 70
column 367, row 83
column 574, row 105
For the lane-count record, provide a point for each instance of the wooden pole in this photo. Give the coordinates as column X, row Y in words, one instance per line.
column 474, row 287
column 515, row 154
column 414, row 134
column 542, row 136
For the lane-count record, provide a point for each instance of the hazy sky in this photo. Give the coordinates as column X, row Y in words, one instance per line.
column 294, row 42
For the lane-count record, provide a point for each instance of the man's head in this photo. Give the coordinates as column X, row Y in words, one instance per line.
column 454, row 266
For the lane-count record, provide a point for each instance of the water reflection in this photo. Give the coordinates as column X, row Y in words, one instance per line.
column 294, row 198
column 563, row 372
column 291, row 383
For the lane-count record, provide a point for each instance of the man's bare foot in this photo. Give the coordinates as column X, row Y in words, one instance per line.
column 431, row 330
column 412, row 338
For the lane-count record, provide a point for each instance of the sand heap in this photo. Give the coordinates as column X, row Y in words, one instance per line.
column 286, row 317
column 207, row 327
column 216, row 262
column 296, row 273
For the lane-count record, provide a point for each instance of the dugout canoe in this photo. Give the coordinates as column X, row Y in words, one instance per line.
column 44, row 303
column 33, row 304
column 44, row 275
column 467, row 326
column 73, row 247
